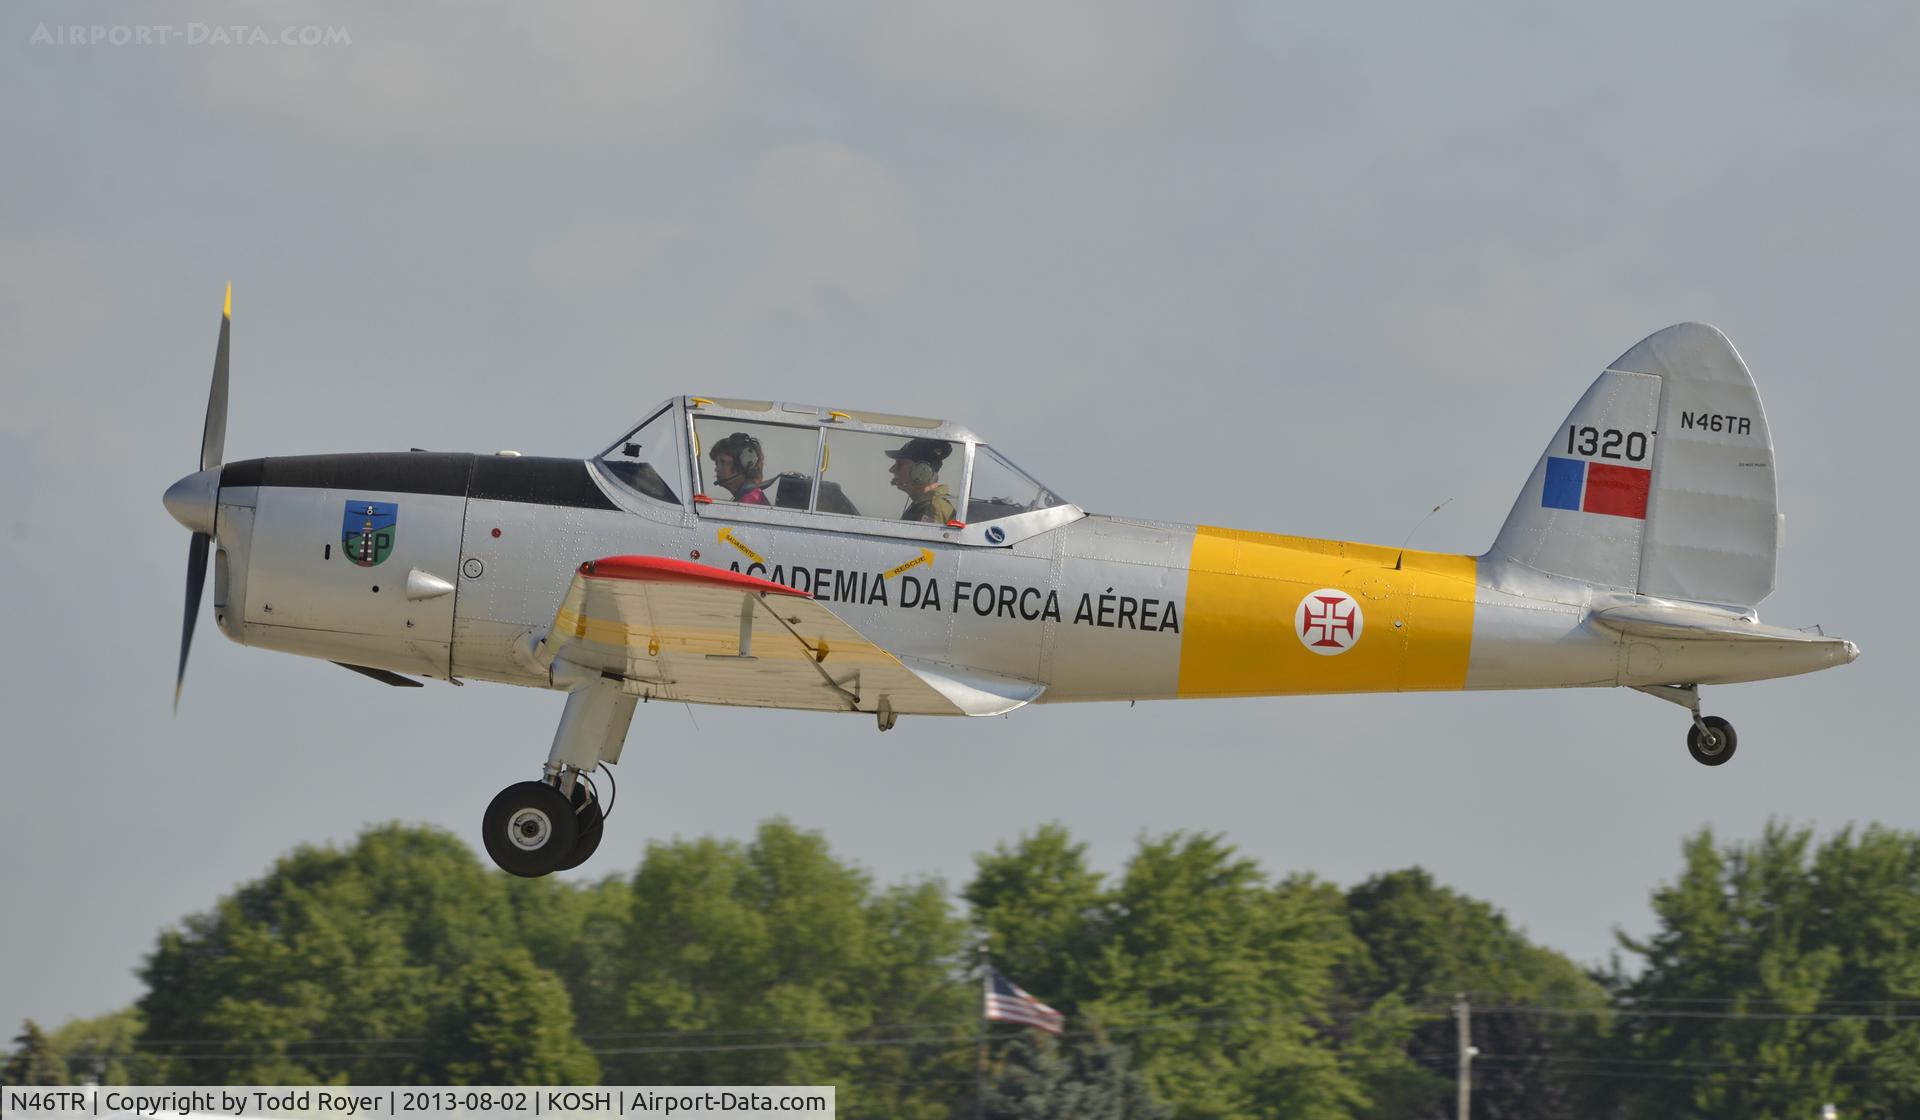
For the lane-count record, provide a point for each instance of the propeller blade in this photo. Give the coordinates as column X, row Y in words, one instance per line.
column 196, row 579
column 213, row 441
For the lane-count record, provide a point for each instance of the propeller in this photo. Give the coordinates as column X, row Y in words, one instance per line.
column 194, row 499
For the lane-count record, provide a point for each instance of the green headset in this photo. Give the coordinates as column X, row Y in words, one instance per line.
column 925, row 455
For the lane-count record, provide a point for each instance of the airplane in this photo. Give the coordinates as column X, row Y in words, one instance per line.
column 789, row 556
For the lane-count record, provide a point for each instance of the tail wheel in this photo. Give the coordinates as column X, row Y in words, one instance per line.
column 530, row 830
column 1711, row 741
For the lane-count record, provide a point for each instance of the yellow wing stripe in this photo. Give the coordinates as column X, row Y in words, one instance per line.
column 770, row 642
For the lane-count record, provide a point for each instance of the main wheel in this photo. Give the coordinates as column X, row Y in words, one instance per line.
column 587, row 820
column 1716, row 746
column 529, row 830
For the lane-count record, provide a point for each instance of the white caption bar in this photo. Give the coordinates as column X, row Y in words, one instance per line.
column 468, row 1102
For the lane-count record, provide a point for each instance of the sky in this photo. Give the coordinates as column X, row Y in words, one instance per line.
column 1302, row 268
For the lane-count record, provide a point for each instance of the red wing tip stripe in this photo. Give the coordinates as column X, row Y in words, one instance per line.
column 663, row 569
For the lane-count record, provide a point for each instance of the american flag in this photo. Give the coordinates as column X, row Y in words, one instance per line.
column 1008, row 1002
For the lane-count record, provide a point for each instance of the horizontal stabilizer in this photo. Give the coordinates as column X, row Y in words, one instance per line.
column 1682, row 643
column 1681, row 622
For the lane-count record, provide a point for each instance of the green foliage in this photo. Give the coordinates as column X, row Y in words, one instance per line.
column 508, row 1022
column 1783, row 976
column 1223, row 984
column 1079, row 1080
column 101, row 1049
column 334, row 967
column 1045, row 912
column 777, row 962
column 1424, row 943
column 580, row 932
column 34, row 1061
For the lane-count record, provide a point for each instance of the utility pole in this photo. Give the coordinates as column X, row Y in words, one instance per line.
column 1467, row 1051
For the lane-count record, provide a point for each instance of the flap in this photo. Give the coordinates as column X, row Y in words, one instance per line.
column 675, row 630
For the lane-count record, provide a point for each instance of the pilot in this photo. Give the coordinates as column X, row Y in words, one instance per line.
column 737, row 466
column 916, row 472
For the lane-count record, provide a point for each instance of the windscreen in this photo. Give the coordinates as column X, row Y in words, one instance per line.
column 647, row 459
column 1000, row 489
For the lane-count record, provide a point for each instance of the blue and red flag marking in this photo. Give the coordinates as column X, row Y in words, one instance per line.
column 1596, row 487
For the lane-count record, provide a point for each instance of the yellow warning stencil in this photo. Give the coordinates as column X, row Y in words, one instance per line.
column 727, row 537
column 925, row 557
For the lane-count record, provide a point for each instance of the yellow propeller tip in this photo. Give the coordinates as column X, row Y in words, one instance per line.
column 226, row 312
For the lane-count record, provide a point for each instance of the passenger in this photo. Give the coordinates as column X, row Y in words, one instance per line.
column 738, row 464
column 916, row 472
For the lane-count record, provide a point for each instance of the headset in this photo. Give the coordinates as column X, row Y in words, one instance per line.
column 745, row 450
column 923, row 470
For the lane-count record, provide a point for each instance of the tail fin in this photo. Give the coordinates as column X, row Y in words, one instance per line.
column 1660, row 482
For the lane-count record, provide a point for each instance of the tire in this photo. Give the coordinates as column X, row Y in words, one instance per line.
column 588, row 821
column 1721, row 751
column 529, row 829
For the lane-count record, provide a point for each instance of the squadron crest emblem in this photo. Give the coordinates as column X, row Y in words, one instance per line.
column 367, row 531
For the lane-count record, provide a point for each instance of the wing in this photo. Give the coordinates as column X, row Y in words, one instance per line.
column 674, row 630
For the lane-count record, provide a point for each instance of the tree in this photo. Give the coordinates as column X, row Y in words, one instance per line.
column 1424, row 943
column 775, row 963
column 1080, row 1080
column 508, row 1022
column 1045, row 913
column 334, row 965
column 102, row 1049
column 580, row 934
column 1783, row 976
column 1222, row 984
column 34, row 1061
column 1227, row 983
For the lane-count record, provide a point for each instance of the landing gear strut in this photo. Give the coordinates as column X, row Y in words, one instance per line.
column 1711, row 739
column 554, row 824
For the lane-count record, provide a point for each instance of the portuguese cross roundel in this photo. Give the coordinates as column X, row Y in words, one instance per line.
column 1328, row 621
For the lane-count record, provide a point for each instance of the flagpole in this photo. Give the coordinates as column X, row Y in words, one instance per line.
column 980, row 1060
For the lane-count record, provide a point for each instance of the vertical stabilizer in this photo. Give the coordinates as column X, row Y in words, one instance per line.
column 1661, row 480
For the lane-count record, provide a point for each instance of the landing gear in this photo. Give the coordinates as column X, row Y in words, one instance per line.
column 1711, row 739
column 554, row 824
column 530, row 830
